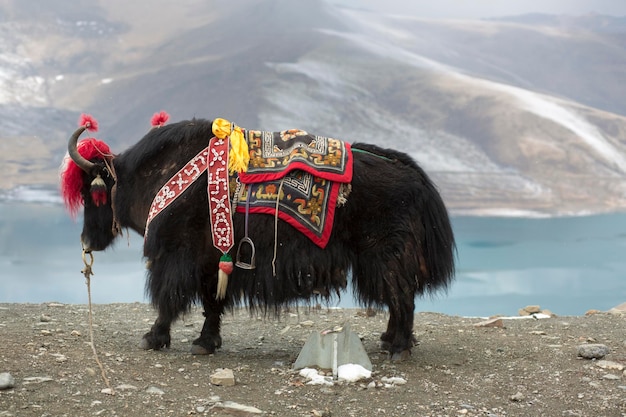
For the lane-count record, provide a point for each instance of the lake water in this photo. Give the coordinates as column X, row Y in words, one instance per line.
column 568, row 265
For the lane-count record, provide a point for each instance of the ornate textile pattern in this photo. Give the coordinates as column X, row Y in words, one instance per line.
column 306, row 202
column 273, row 154
column 312, row 169
column 219, row 195
column 178, row 184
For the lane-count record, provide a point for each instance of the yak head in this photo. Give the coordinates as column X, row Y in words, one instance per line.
column 87, row 179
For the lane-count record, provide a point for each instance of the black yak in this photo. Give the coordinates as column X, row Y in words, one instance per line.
column 392, row 235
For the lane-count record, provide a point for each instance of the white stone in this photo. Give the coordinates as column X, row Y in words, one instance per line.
column 393, row 380
column 610, row 365
column 223, row 377
column 155, row 390
column 6, row 381
column 352, row 372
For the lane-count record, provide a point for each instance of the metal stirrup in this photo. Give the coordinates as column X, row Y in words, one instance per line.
column 246, row 240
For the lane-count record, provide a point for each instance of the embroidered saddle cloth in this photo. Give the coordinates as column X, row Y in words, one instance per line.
column 299, row 171
column 302, row 173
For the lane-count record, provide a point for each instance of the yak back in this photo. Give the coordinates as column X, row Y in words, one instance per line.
column 146, row 166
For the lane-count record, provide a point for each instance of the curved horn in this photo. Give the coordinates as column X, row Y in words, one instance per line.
column 72, row 150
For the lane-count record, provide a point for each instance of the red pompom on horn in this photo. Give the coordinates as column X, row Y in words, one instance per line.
column 88, row 122
column 159, row 119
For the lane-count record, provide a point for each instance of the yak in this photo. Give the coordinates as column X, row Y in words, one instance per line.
column 391, row 237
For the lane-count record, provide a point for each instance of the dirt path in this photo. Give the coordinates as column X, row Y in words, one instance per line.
column 526, row 368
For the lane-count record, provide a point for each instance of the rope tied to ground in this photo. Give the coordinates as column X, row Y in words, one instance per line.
column 88, row 272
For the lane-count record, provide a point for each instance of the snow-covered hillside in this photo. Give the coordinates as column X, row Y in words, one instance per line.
column 508, row 116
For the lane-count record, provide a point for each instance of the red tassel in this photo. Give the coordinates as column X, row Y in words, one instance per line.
column 98, row 191
column 225, row 269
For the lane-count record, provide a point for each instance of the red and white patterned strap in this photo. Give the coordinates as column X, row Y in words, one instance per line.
column 219, row 196
column 178, row 184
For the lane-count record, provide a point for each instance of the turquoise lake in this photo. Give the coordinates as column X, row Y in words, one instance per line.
column 567, row 265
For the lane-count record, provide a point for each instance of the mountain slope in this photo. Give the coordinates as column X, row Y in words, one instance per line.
column 515, row 115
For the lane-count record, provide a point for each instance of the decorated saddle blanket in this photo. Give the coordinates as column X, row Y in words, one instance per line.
column 275, row 154
column 299, row 173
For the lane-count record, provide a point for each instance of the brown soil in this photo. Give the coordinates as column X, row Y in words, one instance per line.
column 526, row 368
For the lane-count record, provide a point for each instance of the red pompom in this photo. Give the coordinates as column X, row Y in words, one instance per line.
column 89, row 122
column 227, row 267
column 72, row 176
column 159, row 119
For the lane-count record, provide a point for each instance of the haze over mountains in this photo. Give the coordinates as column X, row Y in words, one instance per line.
column 524, row 114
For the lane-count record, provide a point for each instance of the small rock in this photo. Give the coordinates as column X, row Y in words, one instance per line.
column 394, row 380
column 45, row 318
column 107, row 391
column 125, row 387
column 314, row 378
column 155, row 390
column 239, row 409
column 528, row 310
column 352, row 372
column 592, row 312
column 593, row 351
column 6, row 381
column 517, row 397
column 56, row 305
column 610, row 365
column 37, row 379
column 611, row 377
column 495, row 322
column 223, row 377
column 307, row 323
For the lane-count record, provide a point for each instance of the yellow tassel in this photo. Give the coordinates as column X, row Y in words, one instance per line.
column 222, row 284
column 239, row 156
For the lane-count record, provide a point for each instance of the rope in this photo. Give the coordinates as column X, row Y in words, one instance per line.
column 373, row 154
column 87, row 272
column 280, row 190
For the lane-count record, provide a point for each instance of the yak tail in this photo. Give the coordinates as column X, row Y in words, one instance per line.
column 438, row 244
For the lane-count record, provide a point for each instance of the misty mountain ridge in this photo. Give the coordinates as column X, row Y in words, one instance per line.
column 521, row 114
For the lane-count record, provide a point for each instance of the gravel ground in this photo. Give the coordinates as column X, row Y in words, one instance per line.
column 527, row 367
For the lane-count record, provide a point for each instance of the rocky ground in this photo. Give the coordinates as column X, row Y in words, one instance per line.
column 512, row 367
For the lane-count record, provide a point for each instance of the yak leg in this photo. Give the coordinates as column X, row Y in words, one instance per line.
column 169, row 300
column 210, row 338
column 398, row 339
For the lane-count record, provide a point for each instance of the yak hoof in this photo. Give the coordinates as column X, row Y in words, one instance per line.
column 200, row 350
column 400, row 356
column 206, row 345
column 150, row 341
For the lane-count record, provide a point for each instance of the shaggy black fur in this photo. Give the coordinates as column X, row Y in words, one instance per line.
column 393, row 234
